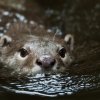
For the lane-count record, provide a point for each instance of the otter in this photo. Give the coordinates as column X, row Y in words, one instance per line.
column 28, row 48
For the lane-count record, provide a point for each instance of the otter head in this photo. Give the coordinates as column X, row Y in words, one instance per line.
column 36, row 54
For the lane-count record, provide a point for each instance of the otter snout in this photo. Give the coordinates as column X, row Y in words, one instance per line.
column 46, row 62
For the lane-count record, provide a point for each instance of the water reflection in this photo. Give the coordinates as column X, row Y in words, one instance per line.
column 81, row 18
column 52, row 85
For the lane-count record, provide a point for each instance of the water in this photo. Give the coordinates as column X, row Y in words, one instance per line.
column 80, row 18
column 52, row 85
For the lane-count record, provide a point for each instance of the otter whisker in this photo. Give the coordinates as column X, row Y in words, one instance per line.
column 54, row 37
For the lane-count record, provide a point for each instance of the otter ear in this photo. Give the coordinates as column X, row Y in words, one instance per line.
column 4, row 40
column 69, row 39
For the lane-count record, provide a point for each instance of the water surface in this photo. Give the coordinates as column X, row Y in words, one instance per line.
column 80, row 18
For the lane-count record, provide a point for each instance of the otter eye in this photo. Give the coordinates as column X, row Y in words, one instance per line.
column 23, row 52
column 62, row 52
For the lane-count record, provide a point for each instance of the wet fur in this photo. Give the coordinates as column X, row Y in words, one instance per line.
column 22, row 34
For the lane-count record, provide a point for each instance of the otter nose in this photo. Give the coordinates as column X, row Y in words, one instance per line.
column 46, row 61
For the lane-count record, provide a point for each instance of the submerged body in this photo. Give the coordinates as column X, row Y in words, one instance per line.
column 30, row 49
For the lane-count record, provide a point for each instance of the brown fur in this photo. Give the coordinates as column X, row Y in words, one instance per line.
column 37, row 42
